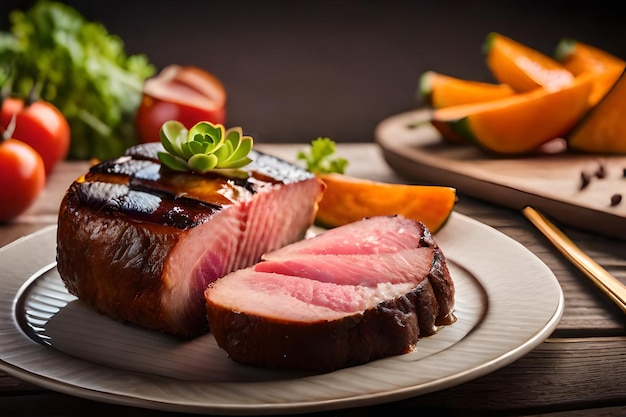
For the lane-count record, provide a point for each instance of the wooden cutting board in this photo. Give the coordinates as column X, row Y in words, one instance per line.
column 550, row 182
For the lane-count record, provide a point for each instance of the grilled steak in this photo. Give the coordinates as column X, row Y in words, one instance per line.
column 353, row 294
column 140, row 243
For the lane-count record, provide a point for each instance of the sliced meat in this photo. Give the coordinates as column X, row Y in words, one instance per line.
column 380, row 234
column 141, row 243
column 327, row 311
column 362, row 270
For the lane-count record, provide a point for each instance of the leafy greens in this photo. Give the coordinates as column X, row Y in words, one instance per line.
column 81, row 69
column 319, row 157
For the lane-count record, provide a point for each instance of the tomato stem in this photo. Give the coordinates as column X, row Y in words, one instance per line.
column 34, row 93
column 8, row 132
column 5, row 92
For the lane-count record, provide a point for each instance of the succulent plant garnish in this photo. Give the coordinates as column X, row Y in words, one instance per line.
column 203, row 148
column 319, row 158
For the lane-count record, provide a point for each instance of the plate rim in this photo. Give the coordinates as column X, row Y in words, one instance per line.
column 548, row 315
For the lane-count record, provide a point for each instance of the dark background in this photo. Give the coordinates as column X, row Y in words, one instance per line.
column 296, row 70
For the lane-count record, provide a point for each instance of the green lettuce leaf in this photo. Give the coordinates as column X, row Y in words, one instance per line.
column 82, row 69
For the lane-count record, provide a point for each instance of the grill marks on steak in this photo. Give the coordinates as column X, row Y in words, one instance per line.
column 353, row 294
column 141, row 243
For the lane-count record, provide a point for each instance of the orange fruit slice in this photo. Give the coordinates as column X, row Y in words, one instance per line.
column 518, row 124
column 523, row 67
column 347, row 199
column 439, row 90
column 579, row 58
column 603, row 130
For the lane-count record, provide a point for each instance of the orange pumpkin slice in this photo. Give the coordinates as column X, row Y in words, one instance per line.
column 603, row 129
column 347, row 199
column 439, row 90
column 523, row 67
column 518, row 124
column 579, row 58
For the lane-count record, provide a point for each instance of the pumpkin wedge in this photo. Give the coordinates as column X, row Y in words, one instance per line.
column 603, row 130
column 579, row 58
column 347, row 199
column 518, row 124
column 439, row 90
column 522, row 67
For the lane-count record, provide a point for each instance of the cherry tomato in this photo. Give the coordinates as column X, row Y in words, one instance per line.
column 40, row 125
column 187, row 94
column 22, row 177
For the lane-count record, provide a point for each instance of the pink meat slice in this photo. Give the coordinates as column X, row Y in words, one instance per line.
column 271, row 295
column 358, row 270
column 335, row 300
column 380, row 234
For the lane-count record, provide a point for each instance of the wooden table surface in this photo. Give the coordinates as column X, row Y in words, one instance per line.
column 580, row 370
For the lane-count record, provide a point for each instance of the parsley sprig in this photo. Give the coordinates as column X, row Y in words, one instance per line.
column 319, row 158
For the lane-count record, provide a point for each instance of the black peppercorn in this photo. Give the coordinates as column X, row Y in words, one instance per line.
column 616, row 199
column 585, row 179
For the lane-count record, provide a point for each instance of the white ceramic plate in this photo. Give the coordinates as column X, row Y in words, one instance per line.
column 507, row 303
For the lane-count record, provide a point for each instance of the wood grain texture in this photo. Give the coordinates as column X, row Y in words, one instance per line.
column 545, row 379
column 587, row 311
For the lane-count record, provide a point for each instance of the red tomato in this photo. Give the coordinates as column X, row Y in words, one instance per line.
column 187, row 94
column 40, row 125
column 22, row 177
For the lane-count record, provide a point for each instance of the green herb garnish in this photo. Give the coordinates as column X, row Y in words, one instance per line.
column 318, row 159
column 82, row 69
column 204, row 147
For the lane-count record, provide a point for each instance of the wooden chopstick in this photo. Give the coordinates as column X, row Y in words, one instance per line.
column 610, row 285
